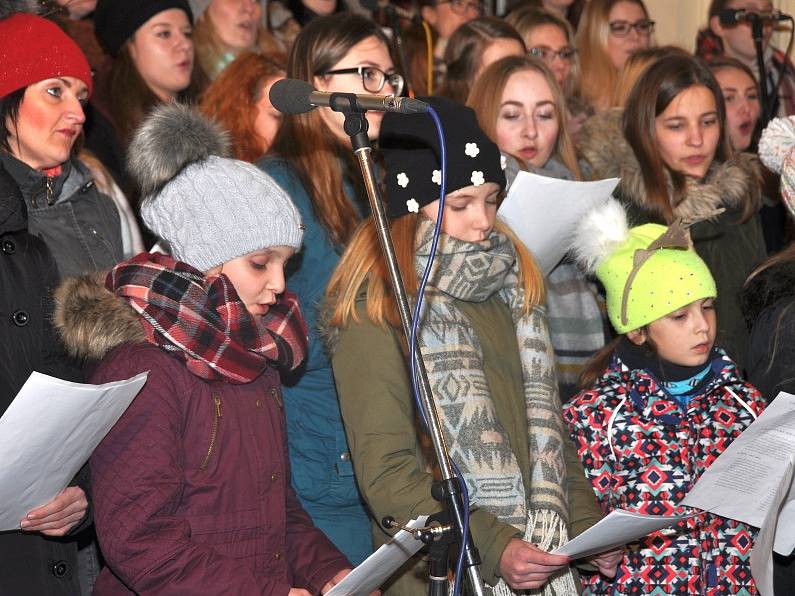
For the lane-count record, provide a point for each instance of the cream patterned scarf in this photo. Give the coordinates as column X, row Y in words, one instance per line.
column 478, row 442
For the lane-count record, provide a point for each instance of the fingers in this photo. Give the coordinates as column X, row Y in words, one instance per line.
column 524, row 566
column 59, row 515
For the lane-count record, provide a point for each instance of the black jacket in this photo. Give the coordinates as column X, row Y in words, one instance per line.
column 29, row 563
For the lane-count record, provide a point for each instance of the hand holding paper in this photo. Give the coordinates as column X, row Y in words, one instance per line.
column 58, row 516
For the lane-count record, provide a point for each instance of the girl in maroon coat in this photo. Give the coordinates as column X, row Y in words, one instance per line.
column 191, row 487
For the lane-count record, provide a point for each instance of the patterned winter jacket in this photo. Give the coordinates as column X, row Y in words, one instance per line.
column 643, row 453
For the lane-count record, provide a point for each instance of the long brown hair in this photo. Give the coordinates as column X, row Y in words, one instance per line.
column 464, row 53
column 599, row 76
column 305, row 140
column 656, row 88
column 129, row 98
column 486, row 98
column 362, row 262
column 634, row 67
column 232, row 99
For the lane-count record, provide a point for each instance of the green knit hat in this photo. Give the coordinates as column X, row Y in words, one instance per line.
column 648, row 271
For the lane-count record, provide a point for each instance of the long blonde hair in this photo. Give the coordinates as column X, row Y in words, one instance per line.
column 599, row 76
column 486, row 97
column 362, row 262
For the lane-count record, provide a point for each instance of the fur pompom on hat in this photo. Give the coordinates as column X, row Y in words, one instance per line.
column 648, row 271
column 209, row 208
column 412, row 156
column 34, row 49
column 777, row 152
column 116, row 21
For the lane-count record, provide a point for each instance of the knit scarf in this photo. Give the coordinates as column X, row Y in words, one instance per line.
column 478, row 442
column 204, row 321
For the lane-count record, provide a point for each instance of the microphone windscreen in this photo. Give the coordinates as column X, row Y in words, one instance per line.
column 291, row 96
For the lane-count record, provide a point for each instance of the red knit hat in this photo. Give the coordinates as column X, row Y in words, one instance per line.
column 33, row 49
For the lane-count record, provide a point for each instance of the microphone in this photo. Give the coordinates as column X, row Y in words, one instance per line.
column 733, row 16
column 291, row 96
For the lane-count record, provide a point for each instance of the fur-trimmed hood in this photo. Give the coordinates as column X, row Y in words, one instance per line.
column 91, row 320
column 728, row 185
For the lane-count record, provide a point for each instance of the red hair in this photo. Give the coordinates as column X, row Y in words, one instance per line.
column 231, row 100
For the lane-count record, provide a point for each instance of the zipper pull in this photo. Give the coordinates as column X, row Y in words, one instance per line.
column 50, row 192
column 217, row 400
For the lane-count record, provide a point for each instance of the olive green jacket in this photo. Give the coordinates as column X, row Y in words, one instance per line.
column 388, row 453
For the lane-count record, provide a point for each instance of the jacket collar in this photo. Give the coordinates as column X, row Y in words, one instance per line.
column 728, row 184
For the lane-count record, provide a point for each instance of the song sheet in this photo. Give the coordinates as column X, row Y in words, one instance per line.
column 618, row 528
column 752, row 482
column 47, row 434
column 544, row 212
column 379, row 566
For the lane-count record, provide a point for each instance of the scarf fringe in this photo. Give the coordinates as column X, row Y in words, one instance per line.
column 546, row 526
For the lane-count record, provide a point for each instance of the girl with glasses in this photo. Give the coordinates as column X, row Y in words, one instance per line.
column 610, row 31
column 311, row 159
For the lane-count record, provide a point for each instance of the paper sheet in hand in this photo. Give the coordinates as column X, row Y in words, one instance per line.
column 544, row 212
column 47, row 434
column 617, row 529
column 377, row 568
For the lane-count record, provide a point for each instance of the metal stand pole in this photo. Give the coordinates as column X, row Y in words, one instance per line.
column 356, row 128
column 767, row 101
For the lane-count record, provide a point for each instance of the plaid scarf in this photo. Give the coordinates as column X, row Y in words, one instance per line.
column 204, row 321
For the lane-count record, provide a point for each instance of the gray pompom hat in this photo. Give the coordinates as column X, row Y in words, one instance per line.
column 207, row 207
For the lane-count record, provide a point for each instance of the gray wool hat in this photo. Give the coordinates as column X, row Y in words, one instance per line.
column 209, row 208
column 199, row 6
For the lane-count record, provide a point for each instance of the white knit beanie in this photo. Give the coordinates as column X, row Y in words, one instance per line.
column 209, row 208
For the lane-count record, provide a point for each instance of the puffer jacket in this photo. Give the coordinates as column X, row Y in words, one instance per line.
column 642, row 452
column 191, row 487
column 730, row 249
column 79, row 224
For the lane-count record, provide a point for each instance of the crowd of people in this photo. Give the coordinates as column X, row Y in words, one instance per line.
column 158, row 214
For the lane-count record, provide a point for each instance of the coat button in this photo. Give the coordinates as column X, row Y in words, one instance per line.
column 274, row 477
column 9, row 247
column 59, row 569
column 345, row 456
column 20, row 318
column 259, row 403
column 277, row 556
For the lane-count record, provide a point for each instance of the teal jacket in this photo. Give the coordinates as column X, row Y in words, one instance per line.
column 322, row 471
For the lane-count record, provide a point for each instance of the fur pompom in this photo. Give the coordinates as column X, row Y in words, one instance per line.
column 9, row 8
column 172, row 137
column 599, row 234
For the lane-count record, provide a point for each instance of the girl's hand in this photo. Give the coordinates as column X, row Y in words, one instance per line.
column 524, row 566
column 337, row 579
column 58, row 516
column 298, row 592
column 607, row 562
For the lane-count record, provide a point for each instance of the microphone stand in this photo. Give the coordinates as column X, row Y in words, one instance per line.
column 757, row 31
column 356, row 128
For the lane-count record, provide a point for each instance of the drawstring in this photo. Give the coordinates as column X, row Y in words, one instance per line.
column 610, row 422
column 742, row 402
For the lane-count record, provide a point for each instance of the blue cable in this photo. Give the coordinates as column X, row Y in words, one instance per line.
column 415, row 322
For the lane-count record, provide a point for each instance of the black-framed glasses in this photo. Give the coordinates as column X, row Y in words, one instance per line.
column 547, row 54
column 644, row 27
column 460, row 7
column 373, row 78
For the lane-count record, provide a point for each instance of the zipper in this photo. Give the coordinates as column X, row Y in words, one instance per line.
column 214, row 431
column 50, row 192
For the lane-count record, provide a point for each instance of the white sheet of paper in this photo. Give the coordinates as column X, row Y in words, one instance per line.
column 743, row 482
column 618, row 528
column 377, row 568
column 544, row 212
column 762, row 552
column 47, row 434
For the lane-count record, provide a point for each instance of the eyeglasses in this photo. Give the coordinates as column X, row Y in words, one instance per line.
column 373, row 79
column 643, row 28
column 460, row 7
column 547, row 54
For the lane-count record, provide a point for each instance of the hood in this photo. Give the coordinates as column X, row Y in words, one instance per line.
column 91, row 320
column 729, row 184
column 767, row 288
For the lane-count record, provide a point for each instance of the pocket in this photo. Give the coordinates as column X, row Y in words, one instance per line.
column 213, row 439
column 237, row 535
